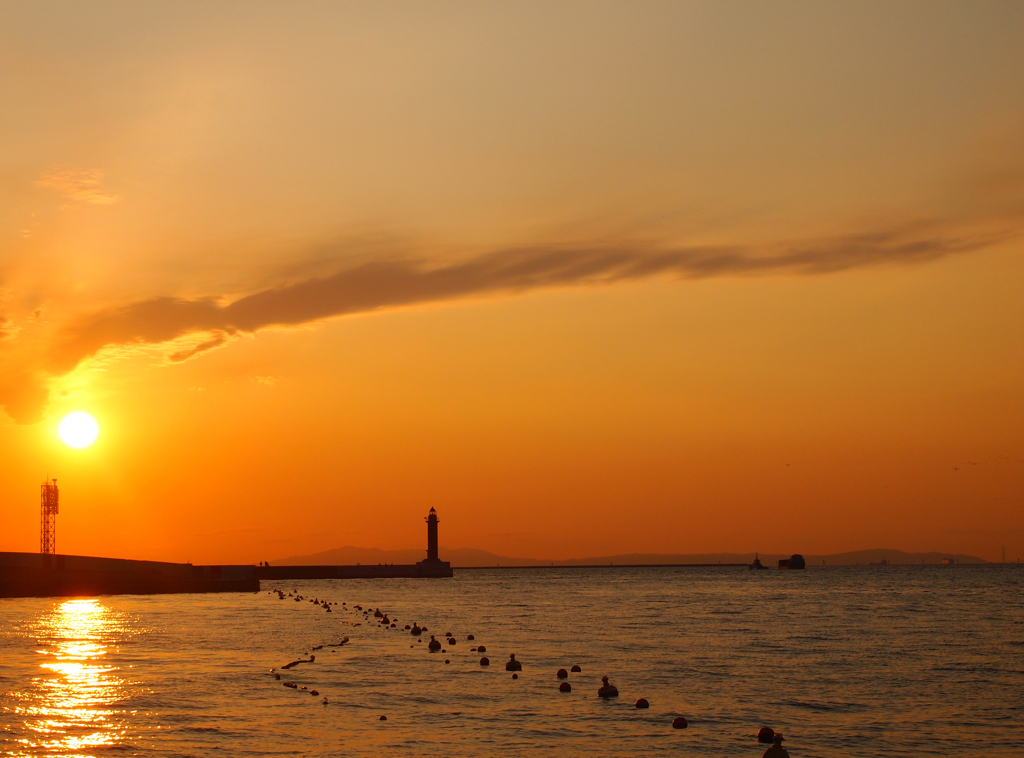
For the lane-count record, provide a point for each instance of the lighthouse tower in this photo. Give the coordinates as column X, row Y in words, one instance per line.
column 432, row 536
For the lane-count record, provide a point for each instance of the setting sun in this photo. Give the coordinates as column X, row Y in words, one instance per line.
column 78, row 429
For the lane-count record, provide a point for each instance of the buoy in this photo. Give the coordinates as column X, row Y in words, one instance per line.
column 383, row 718
column 470, row 637
column 277, row 676
column 325, row 701
column 451, row 640
column 607, row 689
column 481, row 649
column 562, row 674
column 680, row 723
column 485, row 661
column 515, row 676
column 314, row 693
column 408, row 627
column 642, row 703
column 765, row 734
column 512, row 664
column 447, row 661
column 575, row 669
column 565, row 687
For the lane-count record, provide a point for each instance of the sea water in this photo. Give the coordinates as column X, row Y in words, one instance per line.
column 860, row 661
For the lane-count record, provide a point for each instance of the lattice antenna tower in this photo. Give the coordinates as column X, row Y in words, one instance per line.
column 49, row 506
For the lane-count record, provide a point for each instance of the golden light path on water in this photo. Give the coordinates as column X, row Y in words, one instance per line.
column 72, row 708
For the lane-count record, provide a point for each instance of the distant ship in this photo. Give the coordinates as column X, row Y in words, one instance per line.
column 795, row 561
column 757, row 565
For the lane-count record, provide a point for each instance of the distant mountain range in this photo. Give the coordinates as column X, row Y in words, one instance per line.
column 468, row 557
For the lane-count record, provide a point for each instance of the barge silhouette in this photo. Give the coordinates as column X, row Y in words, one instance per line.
column 795, row 561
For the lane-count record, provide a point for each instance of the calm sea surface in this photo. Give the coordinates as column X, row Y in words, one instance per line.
column 845, row 661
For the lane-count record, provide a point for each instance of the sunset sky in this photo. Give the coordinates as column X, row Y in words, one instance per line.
column 589, row 278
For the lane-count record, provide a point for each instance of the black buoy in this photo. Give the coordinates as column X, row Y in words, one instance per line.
column 482, row 649
column 607, row 689
column 515, row 676
column 680, row 723
column 470, row 637
column 314, row 693
column 642, row 703
column 765, row 734
column 562, row 674
column 565, row 687
column 383, row 718
column 485, row 661
column 575, row 669
column 447, row 661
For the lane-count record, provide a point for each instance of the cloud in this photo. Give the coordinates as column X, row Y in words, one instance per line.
column 379, row 285
column 77, row 184
column 186, row 328
column 24, row 394
column 201, row 347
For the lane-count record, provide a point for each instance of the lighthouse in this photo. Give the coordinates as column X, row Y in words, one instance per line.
column 432, row 565
column 432, row 535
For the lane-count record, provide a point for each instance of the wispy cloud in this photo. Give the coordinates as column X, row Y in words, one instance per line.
column 391, row 284
column 187, row 327
column 83, row 186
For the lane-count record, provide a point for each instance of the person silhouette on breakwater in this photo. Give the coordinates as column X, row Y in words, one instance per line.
column 776, row 750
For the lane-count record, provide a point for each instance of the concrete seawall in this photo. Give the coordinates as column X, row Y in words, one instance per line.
column 39, row 575
column 421, row 570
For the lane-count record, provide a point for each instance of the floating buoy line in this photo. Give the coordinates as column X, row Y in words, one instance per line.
column 385, row 620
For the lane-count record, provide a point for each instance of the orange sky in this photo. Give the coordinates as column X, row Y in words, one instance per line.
column 588, row 278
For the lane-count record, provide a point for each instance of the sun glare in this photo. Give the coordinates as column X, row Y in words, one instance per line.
column 78, row 429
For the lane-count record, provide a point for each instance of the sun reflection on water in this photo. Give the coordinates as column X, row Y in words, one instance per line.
column 70, row 707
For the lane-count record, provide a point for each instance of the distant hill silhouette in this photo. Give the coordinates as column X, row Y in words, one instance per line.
column 469, row 557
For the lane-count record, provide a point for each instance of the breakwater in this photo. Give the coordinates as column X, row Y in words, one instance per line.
column 42, row 575
column 423, row 570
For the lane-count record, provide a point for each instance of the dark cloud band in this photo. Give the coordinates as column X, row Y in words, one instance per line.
column 390, row 284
